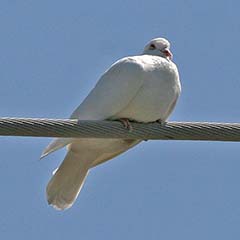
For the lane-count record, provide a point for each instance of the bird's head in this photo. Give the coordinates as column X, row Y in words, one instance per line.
column 158, row 47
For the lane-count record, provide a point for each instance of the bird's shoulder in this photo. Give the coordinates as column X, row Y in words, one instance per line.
column 131, row 63
column 143, row 62
column 123, row 70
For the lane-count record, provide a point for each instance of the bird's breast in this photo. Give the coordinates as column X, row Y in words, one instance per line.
column 160, row 89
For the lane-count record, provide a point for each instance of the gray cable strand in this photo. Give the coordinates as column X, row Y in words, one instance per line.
column 114, row 129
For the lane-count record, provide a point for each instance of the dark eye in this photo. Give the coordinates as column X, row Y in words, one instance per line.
column 152, row 47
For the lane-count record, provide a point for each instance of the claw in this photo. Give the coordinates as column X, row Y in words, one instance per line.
column 161, row 122
column 126, row 123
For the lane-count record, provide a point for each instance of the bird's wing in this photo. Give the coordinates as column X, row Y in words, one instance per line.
column 115, row 89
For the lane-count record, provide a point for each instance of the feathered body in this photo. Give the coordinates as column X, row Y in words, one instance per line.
column 142, row 88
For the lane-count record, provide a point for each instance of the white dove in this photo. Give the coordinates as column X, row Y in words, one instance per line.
column 142, row 88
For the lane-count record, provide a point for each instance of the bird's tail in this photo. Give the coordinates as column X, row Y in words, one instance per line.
column 67, row 181
column 55, row 145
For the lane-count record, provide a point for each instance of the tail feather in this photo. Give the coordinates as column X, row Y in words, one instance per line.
column 55, row 145
column 66, row 183
column 68, row 179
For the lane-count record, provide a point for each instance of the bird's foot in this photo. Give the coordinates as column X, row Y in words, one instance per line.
column 126, row 123
column 161, row 122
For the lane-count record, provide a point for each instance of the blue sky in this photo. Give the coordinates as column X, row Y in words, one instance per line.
column 51, row 55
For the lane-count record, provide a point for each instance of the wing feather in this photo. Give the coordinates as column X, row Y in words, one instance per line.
column 115, row 89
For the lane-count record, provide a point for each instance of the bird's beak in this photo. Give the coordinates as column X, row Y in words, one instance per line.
column 168, row 53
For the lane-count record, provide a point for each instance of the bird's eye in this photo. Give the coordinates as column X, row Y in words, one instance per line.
column 152, row 47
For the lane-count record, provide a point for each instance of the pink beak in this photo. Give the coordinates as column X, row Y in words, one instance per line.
column 168, row 53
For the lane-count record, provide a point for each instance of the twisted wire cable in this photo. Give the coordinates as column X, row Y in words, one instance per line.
column 66, row 128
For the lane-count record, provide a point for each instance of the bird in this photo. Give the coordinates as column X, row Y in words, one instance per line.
column 142, row 88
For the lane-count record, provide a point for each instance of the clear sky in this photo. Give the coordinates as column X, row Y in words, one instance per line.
column 51, row 55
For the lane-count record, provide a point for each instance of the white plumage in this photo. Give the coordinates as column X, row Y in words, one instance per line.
column 143, row 88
